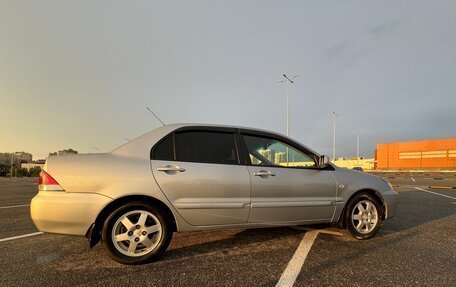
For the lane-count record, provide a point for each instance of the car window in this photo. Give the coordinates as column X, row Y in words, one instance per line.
column 164, row 150
column 272, row 152
column 206, row 147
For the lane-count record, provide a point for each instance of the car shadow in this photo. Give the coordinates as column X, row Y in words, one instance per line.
column 414, row 209
column 203, row 243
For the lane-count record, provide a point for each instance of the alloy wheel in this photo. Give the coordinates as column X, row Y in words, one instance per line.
column 364, row 216
column 136, row 233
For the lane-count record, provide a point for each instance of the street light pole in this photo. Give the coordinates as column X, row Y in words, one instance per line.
column 12, row 162
column 289, row 81
column 358, row 134
column 334, row 115
column 357, row 145
column 288, row 107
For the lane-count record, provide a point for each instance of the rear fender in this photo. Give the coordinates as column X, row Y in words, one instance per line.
column 93, row 234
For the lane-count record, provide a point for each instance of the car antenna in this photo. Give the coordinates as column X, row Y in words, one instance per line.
column 96, row 148
column 156, row 116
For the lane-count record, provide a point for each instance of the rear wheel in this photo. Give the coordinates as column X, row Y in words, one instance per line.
column 363, row 216
column 136, row 233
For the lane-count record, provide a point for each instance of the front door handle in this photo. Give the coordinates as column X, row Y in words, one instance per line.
column 263, row 173
column 171, row 168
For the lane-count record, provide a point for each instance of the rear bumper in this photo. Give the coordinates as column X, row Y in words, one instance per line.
column 66, row 213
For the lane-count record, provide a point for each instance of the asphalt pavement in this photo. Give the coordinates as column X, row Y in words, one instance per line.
column 415, row 248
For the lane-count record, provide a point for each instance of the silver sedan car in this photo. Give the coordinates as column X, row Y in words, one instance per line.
column 189, row 177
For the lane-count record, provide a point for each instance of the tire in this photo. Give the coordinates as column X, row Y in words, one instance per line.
column 136, row 233
column 363, row 216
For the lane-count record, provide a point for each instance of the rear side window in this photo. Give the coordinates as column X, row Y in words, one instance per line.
column 164, row 150
column 206, row 147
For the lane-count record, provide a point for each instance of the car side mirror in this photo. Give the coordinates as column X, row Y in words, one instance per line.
column 323, row 161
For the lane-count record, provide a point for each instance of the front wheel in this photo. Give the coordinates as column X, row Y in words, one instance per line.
column 363, row 216
column 136, row 233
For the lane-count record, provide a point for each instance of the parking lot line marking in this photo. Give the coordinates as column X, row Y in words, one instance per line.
column 441, row 187
column 20, row 236
column 325, row 231
column 337, row 233
column 297, row 261
column 14, row 206
column 436, row 193
column 412, row 179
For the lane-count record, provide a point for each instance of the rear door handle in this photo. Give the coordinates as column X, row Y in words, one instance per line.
column 171, row 168
column 263, row 173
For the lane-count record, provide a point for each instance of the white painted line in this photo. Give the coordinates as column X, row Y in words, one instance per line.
column 14, row 206
column 411, row 177
column 435, row 193
column 20, row 236
column 297, row 261
column 337, row 233
column 326, row 231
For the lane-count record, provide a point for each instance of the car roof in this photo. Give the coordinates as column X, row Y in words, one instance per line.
column 183, row 125
column 140, row 146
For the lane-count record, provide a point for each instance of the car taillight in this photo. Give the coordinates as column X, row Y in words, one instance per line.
column 48, row 183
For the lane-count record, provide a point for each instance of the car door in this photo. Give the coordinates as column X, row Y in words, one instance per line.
column 199, row 171
column 286, row 185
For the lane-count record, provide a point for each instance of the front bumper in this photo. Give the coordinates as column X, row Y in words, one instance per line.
column 65, row 212
column 391, row 199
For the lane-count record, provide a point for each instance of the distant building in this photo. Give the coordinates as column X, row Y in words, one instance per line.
column 365, row 163
column 15, row 158
column 5, row 158
column 426, row 154
column 64, row 152
column 67, row 151
column 280, row 157
column 23, row 157
column 267, row 153
column 28, row 166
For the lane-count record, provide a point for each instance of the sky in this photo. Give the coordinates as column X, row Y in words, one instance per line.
column 80, row 74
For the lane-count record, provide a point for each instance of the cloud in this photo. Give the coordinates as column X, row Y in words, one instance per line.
column 346, row 53
column 337, row 51
column 386, row 28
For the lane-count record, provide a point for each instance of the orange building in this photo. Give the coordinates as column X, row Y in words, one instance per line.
column 427, row 154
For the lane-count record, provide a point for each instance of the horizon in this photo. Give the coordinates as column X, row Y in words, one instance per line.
column 35, row 158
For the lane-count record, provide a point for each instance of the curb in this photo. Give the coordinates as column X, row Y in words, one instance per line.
column 426, row 178
column 432, row 186
column 441, row 187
